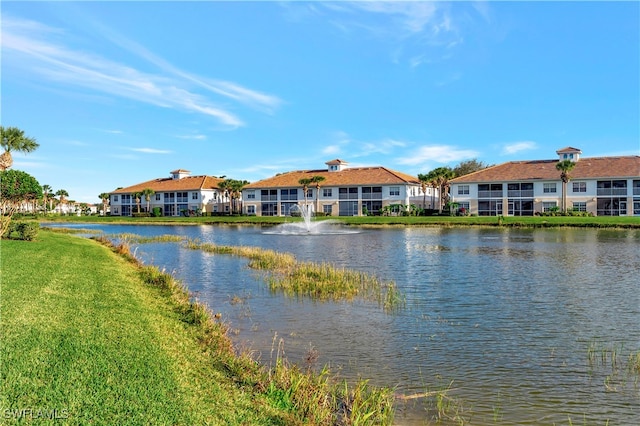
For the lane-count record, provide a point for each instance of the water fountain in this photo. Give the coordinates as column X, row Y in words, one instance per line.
column 308, row 226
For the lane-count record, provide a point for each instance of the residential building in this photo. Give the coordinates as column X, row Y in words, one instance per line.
column 344, row 191
column 603, row 186
column 179, row 194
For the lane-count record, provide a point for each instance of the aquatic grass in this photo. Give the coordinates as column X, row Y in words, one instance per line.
column 139, row 239
column 619, row 370
column 319, row 281
column 323, row 400
column 440, row 405
column 258, row 258
column 65, row 230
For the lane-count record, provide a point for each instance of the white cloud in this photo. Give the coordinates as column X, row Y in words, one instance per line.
column 385, row 146
column 194, row 137
column 28, row 46
column 515, row 147
column 150, row 150
column 332, row 150
column 417, row 30
column 436, row 153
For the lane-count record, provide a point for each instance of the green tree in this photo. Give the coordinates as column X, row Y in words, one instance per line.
column 440, row 178
column 16, row 188
column 13, row 139
column 137, row 196
column 104, row 196
column 565, row 167
column 469, row 166
column 62, row 195
column 148, row 192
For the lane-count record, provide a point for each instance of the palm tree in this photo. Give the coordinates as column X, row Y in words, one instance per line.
column 62, row 194
column 105, row 199
column 236, row 192
column 137, row 196
column 46, row 191
column 424, row 183
column 305, row 182
column 441, row 176
column 317, row 180
column 13, row 139
column 224, row 187
column 565, row 166
column 148, row 192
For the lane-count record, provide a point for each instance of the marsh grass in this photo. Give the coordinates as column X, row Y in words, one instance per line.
column 319, row 281
column 321, row 398
column 64, row 230
column 620, row 366
column 139, row 239
column 440, row 404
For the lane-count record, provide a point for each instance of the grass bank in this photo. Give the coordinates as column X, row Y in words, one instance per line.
column 626, row 222
column 90, row 336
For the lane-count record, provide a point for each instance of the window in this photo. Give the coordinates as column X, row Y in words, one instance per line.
column 115, row 198
column 549, row 206
column 251, row 209
column 371, row 192
column 579, row 206
column 194, row 195
column 326, row 192
column 158, row 196
column 348, row 193
column 580, row 187
column 182, row 197
column 549, row 188
column 251, row 195
column 326, row 208
column 463, row 189
column 268, row 195
column 288, row 194
column 394, row 191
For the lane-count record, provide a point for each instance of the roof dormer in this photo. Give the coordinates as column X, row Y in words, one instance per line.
column 336, row 165
column 569, row 153
column 179, row 174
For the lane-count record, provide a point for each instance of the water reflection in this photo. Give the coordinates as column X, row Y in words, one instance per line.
column 507, row 315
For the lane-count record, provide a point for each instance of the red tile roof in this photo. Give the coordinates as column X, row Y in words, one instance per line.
column 188, row 183
column 586, row 168
column 347, row 177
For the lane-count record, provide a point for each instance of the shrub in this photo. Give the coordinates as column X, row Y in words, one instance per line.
column 156, row 212
column 27, row 231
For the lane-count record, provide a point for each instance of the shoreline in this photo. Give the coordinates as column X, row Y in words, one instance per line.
column 534, row 222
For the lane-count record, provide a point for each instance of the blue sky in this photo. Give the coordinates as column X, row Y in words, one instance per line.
column 118, row 93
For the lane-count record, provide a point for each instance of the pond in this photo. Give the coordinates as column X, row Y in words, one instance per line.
column 521, row 326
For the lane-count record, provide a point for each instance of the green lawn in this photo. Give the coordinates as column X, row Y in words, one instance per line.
column 84, row 339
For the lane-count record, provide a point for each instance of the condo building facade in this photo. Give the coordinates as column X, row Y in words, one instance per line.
column 602, row 186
